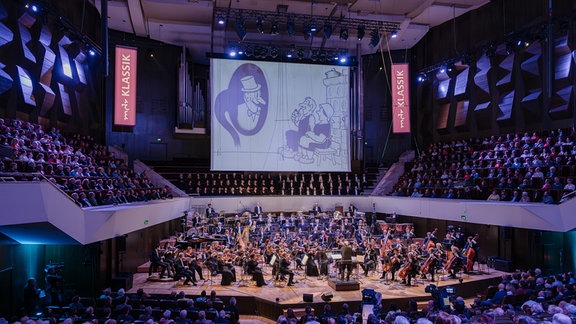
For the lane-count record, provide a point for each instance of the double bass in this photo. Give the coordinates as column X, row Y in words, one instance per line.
column 431, row 243
column 470, row 253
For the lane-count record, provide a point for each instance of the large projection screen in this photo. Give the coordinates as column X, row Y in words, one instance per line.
column 271, row 116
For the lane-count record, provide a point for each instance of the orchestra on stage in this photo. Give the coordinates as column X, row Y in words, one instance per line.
column 312, row 243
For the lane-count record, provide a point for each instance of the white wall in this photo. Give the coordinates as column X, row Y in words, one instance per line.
column 38, row 202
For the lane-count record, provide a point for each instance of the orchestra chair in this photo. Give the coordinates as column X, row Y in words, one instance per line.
column 244, row 277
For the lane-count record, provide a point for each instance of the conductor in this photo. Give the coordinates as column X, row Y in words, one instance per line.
column 346, row 262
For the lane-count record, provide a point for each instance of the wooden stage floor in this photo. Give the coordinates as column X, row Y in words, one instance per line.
column 279, row 296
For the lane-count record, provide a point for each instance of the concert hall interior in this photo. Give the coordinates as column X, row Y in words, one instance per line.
column 371, row 161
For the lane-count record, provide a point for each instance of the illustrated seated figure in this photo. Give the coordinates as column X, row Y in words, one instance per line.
column 314, row 130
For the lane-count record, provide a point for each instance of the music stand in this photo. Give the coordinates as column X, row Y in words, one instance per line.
column 304, row 262
column 209, row 280
column 243, row 282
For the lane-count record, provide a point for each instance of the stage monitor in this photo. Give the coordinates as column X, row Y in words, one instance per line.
column 273, row 116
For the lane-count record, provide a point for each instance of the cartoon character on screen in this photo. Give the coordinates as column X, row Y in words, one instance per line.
column 242, row 107
column 313, row 122
column 249, row 110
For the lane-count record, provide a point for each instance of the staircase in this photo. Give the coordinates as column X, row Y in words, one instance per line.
column 374, row 174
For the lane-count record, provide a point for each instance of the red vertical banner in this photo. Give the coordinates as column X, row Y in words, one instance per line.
column 400, row 98
column 125, row 86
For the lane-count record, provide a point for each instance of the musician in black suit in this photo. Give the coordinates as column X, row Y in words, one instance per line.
column 346, row 261
column 227, row 270
column 182, row 270
column 370, row 259
column 284, row 269
column 323, row 261
column 258, row 209
column 255, row 270
column 193, row 265
column 156, row 261
column 316, row 208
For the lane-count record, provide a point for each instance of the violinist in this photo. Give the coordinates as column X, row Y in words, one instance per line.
column 370, row 259
column 311, row 268
column 227, row 270
column 193, row 264
column 255, row 270
column 157, row 261
column 284, row 268
column 182, row 270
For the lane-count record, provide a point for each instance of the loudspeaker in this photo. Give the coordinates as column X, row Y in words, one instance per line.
column 121, row 243
column 503, row 265
column 122, row 280
column 308, row 298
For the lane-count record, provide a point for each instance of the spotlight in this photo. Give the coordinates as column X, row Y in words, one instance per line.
column 291, row 52
column 290, row 27
column 327, row 29
column 90, row 50
column 344, row 33
column 443, row 70
column 232, row 52
column 32, row 7
column 240, row 50
column 394, row 34
column 221, row 20
column 260, row 25
column 274, row 30
column 343, row 59
column 313, row 27
column 361, row 32
column 374, row 38
column 421, row 77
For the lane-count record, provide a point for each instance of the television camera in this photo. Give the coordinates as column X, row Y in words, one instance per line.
column 442, row 296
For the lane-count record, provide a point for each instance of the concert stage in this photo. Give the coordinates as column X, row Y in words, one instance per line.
column 270, row 301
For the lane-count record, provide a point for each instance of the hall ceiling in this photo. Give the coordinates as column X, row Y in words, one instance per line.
column 191, row 23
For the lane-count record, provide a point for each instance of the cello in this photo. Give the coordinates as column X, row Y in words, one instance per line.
column 449, row 265
column 425, row 268
column 403, row 272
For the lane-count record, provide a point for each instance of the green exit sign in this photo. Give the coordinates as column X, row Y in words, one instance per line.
column 463, row 217
column 145, row 222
